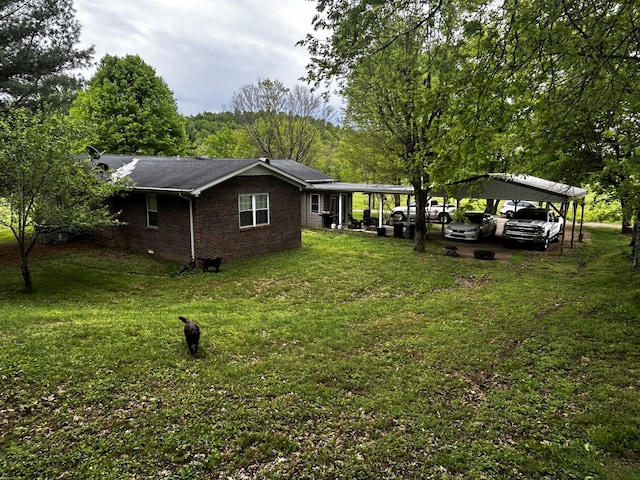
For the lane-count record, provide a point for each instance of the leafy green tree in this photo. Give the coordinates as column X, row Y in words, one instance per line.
column 38, row 54
column 395, row 63
column 362, row 156
column 131, row 110
column 582, row 92
column 281, row 122
column 41, row 186
column 226, row 143
column 218, row 135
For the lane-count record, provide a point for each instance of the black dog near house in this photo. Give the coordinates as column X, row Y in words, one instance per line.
column 211, row 262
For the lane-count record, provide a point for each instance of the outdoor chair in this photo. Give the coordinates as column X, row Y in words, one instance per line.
column 353, row 223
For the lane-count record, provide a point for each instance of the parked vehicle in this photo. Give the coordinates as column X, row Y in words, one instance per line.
column 511, row 206
column 435, row 211
column 537, row 226
column 475, row 226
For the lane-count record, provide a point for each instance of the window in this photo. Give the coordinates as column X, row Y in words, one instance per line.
column 254, row 209
column 152, row 211
column 315, row 203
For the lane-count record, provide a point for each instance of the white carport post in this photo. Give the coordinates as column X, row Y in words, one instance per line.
column 380, row 211
column 340, row 219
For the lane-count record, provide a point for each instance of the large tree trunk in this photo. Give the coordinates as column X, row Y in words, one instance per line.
column 491, row 206
column 635, row 242
column 26, row 275
column 422, row 234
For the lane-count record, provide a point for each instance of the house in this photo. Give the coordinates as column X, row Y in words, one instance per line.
column 185, row 208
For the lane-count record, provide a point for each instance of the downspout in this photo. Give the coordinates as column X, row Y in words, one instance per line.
column 191, row 229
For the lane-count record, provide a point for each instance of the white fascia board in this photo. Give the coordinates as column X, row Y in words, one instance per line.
column 279, row 173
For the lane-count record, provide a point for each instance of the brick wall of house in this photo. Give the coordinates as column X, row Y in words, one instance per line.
column 170, row 240
column 216, row 220
column 218, row 231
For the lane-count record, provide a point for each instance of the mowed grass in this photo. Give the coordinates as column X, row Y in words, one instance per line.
column 351, row 357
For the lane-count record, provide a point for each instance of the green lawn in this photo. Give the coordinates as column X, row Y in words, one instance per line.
column 352, row 357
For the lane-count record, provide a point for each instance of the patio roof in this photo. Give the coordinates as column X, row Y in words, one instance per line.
column 361, row 188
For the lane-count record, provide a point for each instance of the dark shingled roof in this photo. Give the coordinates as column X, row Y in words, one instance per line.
column 193, row 175
column 301, row 171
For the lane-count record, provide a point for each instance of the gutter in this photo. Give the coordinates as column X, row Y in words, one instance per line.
column 191, row 228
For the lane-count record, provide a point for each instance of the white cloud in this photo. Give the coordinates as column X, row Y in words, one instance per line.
column 205, row 50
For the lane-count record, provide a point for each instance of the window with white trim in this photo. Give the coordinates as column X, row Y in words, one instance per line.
column 315, row 203
column 254, row 209
column 152, row 210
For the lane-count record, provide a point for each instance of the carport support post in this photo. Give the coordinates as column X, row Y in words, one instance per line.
column 564, row 208
column 408, row 217
column 581, row 236
column 380, row 211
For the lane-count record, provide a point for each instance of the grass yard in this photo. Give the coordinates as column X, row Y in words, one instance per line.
column 353, row 357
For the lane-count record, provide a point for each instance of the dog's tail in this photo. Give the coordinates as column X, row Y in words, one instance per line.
column 183, row 319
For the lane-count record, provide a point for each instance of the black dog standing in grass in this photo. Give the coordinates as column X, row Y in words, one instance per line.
column 192, row 335
column 211, row 262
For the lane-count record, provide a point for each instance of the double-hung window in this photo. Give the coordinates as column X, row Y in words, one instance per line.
column 315, row 203
column 152, row 210
column 254, row 209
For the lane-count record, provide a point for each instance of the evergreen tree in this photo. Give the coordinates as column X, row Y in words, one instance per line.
column 38, row 52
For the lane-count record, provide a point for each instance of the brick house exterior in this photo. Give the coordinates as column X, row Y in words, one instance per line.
column 181, row 209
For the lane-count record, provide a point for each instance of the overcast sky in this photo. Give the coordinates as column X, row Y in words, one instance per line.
column 205, row 50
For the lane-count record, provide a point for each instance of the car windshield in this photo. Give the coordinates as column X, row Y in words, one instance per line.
column 474, row 217
column 531, row 214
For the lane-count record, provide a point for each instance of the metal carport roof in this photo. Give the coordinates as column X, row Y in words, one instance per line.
column 513, row 187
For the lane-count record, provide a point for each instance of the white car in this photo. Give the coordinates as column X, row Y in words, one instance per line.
column 475, row 226
column 434, row 212
column 512, row 206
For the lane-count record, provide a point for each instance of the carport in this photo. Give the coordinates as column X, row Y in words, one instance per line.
column 505, row 186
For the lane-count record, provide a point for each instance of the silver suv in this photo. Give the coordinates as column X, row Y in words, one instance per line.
column 511, row 206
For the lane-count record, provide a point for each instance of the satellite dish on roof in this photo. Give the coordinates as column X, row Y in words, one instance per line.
column 93, row 152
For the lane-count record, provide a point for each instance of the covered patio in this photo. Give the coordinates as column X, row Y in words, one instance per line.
column 342, row 192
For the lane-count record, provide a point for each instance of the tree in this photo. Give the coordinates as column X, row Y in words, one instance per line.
column 583, row 69
column 38, row 52
column 395, row 64
column 226, row 143
column 130, row 110
column 218, row 135
column 280, row 121
column 42, row 186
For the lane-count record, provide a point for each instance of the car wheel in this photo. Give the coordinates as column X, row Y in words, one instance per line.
column 506, row 244
column 444, row 218
column 544, row 246
column 508, row 214
column 558, row 237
